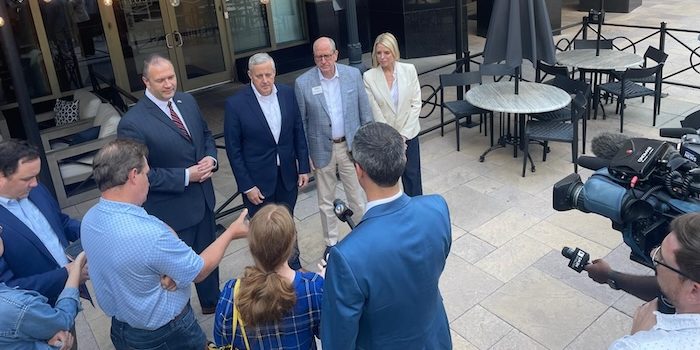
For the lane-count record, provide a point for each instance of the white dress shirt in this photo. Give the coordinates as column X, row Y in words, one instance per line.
column 271, row 109
column 395, row 90
column 334, row 101
column 377, row 202
column 163, row 105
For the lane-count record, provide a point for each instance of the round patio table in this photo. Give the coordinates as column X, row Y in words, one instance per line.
column 501, row 97
column 608, row 59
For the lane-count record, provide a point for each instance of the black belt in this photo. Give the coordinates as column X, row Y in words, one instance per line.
column 342, row 139
column 182, row 313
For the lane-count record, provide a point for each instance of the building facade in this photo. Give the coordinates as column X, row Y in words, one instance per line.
column 62, row 43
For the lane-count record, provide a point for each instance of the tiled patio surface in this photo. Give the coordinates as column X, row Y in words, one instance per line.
column 505, row 284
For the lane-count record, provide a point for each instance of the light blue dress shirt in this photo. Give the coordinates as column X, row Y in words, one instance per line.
column 129, row 250
column 678, row 331
column 32, row 217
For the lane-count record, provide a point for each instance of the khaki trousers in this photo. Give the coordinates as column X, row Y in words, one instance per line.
column 326, row 181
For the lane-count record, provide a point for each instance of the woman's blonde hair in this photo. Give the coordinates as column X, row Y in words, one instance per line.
column 265, row 296
column 387, row 40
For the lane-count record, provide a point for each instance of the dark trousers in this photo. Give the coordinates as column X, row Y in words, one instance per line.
column 283, row 197
column 411, row 179
column 183, row 332
column 199, row 237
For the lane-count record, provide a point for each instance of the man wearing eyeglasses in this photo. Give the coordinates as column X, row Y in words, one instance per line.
column 333, row 105
column 677, row 265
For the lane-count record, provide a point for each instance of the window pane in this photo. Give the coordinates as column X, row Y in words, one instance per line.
column 248, row 23
column 141, row 33
column 31, row 57
column 197, row 23
column 288, row 20
column 76, row 40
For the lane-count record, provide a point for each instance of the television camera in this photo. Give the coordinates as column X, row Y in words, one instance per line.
column 640, row 185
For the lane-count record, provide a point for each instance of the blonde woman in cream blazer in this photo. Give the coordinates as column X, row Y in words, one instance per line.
column 395, row 98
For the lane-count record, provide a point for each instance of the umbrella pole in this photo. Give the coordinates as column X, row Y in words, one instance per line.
column 600, row 25
column 517, row 79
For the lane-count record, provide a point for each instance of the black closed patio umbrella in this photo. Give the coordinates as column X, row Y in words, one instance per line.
column 519, row 29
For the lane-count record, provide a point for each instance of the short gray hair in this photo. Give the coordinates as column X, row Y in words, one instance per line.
column 112, row 164
column 330, row 41
column 381, row 152
column 260, row 58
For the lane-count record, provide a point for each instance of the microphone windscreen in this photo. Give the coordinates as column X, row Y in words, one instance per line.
column 606, row 145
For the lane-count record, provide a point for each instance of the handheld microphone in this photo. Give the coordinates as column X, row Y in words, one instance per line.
column 676, row 133
column 343, row 212
column 578, row 259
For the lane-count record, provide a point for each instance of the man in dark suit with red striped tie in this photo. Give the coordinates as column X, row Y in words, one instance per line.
column 182, row 157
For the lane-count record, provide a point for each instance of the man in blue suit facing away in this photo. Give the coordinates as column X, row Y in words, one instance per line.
column 32, row 226
column 381, row 289
column 182, row 157
column 265, row 141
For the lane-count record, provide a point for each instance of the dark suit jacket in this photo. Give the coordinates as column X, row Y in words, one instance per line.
column 381, row 286
column 27, row 263
column 169, row 154
column 251, row 148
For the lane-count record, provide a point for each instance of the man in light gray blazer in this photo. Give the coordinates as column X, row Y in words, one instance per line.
column 333, row 105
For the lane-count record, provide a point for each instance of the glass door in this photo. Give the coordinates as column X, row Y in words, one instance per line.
column 198, row 42
column 184, row 31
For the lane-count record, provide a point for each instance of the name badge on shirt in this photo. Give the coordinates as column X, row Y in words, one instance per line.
column 317, row 90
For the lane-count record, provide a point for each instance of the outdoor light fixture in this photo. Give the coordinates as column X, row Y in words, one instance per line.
column 107, row 2
column 47, row 1
column 2, row 22
column 175, row 3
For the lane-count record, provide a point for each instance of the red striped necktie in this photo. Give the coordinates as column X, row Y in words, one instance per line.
column 178, row 123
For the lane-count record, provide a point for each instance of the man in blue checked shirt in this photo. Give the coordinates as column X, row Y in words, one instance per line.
column 131, row 250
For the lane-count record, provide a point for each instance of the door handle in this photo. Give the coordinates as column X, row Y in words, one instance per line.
column 178, row 37
column 167, row 41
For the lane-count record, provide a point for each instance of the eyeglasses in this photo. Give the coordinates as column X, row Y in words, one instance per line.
column 326, row 57
column 655, row 258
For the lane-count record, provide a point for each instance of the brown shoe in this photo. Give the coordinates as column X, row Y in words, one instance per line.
column 208, row 310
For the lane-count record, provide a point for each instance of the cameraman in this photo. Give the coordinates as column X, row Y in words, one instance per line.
column 677, row 265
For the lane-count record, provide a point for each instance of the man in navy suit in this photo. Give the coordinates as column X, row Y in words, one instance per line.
column 182, row 156
column 381, row 287
column 265, row 141
column 32, row 226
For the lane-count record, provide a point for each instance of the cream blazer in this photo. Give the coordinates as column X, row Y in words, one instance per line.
column 405, row 119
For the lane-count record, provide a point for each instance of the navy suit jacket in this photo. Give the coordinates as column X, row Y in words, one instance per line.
column 27, row 263
column 169, row 154
column 381, row 286
column 251, row 148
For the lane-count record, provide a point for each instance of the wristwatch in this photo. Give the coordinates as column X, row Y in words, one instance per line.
column 611, row 282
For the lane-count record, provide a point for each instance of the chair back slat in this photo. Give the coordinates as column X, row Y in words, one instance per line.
column 638, row 73
column 605, row 44
column 557, row 71
column 655, row 55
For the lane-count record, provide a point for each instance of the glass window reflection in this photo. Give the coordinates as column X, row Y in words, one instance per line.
column 31, row 58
